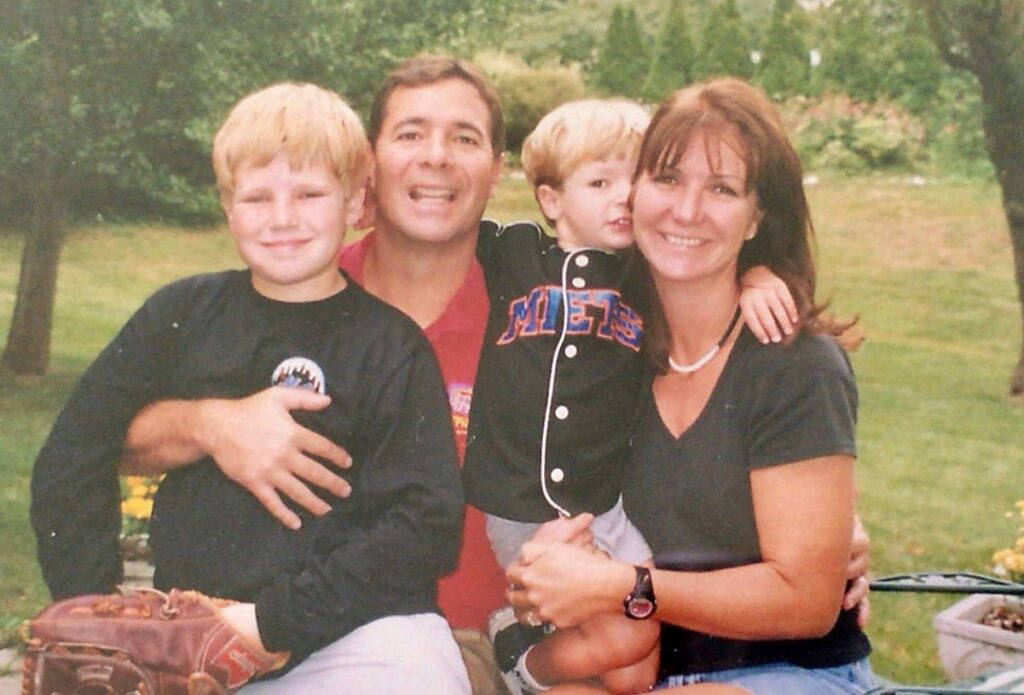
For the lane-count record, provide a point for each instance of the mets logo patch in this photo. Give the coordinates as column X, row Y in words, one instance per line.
column 299, row 372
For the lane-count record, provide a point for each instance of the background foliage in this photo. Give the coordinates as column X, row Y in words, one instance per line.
column 925, row 267
column 109, row 106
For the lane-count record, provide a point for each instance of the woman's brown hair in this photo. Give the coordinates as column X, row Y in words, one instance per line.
column 739, row 113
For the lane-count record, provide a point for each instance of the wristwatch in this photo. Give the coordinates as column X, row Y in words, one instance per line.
column 640, row 603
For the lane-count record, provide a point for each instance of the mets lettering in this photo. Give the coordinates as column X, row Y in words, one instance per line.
column 599, row 312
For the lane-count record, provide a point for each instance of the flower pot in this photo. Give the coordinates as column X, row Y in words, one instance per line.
column 967, row 647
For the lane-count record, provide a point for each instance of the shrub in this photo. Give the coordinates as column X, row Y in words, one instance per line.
column 527, row 93
column 842, row 134
column 956, row 143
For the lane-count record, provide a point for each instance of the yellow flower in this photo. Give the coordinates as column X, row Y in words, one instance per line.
column 137, row 508
column 1010, row 561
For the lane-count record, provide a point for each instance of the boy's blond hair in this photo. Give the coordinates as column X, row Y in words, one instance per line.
column 578, row 132
column 310, row 124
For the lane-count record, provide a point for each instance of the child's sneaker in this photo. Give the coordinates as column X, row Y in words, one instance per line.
column 511, row 641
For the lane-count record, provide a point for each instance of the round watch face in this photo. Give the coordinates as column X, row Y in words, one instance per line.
column 640, row 608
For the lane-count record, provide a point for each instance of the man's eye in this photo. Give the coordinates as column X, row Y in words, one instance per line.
column 252, row 199
column 312, row 194
column 408, row 135
column 467, row 140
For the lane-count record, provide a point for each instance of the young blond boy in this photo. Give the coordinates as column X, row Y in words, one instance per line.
column 351, row 595
column 558, row 380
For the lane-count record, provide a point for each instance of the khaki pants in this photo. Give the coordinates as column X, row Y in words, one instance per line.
column 478, row 653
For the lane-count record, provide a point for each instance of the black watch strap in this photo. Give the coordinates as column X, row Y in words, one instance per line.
column 640, row 603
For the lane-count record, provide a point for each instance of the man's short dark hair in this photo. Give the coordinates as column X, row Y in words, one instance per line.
column 424, row 70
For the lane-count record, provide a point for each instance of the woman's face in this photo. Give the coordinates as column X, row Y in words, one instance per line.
column 691, row 220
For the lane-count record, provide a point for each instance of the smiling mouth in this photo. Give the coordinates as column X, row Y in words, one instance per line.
column 681, row 241
column 285, row 244
column 421, row 193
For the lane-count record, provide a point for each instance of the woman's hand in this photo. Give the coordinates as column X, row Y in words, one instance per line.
column 768, row 307
column 565, row 585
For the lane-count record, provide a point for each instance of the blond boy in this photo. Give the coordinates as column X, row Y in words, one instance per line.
column 559, row 378
column 350, row 594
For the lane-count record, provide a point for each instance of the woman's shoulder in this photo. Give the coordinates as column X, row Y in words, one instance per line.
column 805, row 350
column 806, row 364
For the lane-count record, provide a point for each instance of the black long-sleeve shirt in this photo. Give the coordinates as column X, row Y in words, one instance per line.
column 377, row 553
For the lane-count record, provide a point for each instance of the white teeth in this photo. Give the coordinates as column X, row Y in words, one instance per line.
column 683, row 241
column 432, row 194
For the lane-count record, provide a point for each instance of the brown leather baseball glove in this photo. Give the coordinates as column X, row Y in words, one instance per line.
column 141, row 642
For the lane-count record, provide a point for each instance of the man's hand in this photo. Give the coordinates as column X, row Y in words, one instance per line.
column 857, row 573
column 254, row 440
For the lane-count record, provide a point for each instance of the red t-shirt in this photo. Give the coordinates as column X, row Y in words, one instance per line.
column 477, row 587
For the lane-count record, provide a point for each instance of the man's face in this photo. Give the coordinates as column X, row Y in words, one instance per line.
column 435, row 165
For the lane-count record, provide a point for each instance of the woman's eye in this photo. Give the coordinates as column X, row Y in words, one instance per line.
column 598, row 183
column 667, row 179
column 723, row 189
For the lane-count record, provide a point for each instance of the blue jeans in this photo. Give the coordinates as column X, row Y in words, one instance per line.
column 786, row 679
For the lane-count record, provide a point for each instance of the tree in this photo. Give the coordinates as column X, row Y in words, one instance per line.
column 623, row 62
column 879, row 48
column 912, row 71
column 985, row 38
column 725, row 49
column 75, row 113
column 784, row 69
column 672, row 63
column 109, row 106
column 851, row 59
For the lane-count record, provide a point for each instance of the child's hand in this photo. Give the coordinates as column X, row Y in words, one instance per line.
column 768, row 307
column 572, row 530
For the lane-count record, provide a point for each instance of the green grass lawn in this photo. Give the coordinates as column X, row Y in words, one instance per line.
column 928, row 270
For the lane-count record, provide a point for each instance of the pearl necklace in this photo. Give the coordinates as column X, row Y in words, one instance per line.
column 709, row 355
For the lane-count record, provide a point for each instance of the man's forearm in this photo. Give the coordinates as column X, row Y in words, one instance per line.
column 163, row 436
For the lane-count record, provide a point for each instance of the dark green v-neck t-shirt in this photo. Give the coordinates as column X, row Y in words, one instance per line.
column 690, row 495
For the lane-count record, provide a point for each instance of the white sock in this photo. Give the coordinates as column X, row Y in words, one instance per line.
column 526, row 676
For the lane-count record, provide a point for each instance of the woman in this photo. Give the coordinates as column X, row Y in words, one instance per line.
column 742, row 473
